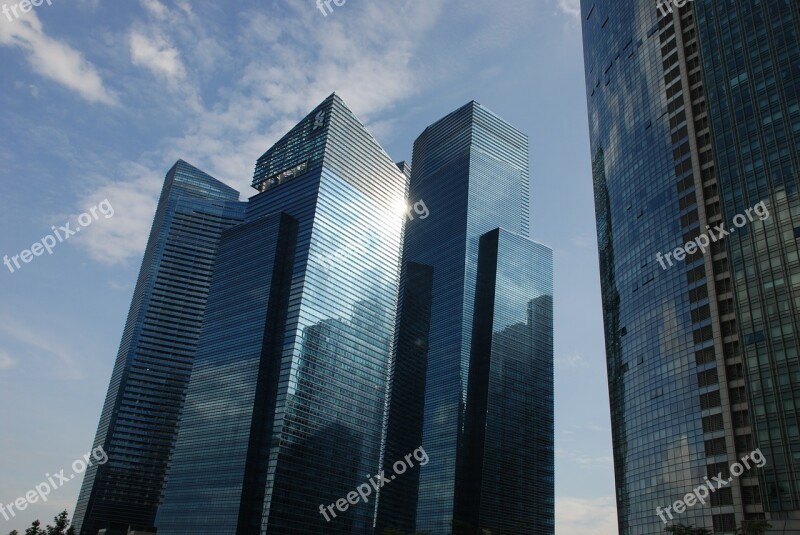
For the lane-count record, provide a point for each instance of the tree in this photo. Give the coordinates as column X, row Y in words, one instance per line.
column 35, row 529
column 680, row 529
column 753, row 527
column 61, row 527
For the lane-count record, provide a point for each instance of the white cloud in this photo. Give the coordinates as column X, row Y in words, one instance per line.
column 275, row 71
column 152, row 47
column 571, row 360
column 157, row 54
column 581, row 458
column 583, row 239
column 582, row 516
column 118, row 286
column 570, row 7
column 133, row 196
column 55, row 59
column 6, row 361
column 156, row 8
column 42, row 344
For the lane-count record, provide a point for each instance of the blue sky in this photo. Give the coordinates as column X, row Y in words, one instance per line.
column 100, row 98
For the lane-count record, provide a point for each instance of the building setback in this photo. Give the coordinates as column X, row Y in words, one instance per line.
column 473, row 369
column 694, row 119
column 138, row 423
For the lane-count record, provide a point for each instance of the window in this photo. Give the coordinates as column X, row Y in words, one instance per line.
column 710, row 400
column 715, row 446
column 724, row 522
column 708, row 377
column 713, row 423
column 741, row 419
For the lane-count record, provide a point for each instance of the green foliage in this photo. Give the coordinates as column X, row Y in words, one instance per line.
column 35, row 529
column 62, row 525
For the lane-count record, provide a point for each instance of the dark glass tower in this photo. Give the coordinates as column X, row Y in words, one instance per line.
column 473, row 370
column 694, row 118
column 139, row 419
column 286, row 402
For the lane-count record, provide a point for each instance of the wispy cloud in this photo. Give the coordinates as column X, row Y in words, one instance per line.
column 6, row 361
column 133, row 195
column 581, row 429
column 582, row 458
column 583, row 240
column 157, row 54
column 264, row 72
column 570, row 7
column 156, row 8
column 38, row 344
column 55, row 59
column 152, row 47
column 579, row 516
column 571, row 360
column 366, row 58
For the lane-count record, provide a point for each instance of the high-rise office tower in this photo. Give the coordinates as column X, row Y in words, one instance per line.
column 139, row 419
column 472, row 375
column 695, row 135
column 285, row 408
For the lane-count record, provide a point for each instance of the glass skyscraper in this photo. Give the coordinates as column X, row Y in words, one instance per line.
column 285, row 408
column 138, row 423
column 694, row 119
column 472, row 374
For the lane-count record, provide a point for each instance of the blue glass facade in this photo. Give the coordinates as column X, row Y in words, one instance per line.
column 694, row 118
column 317, row 373
column 754, row 113
column 471, row 171
column 505, row 479
column 138, row 424
column 246, row 308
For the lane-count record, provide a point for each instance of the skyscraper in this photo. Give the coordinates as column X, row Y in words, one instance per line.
column 139, row 419
column 694, row 120
column 285, row 408
column 472, row 375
